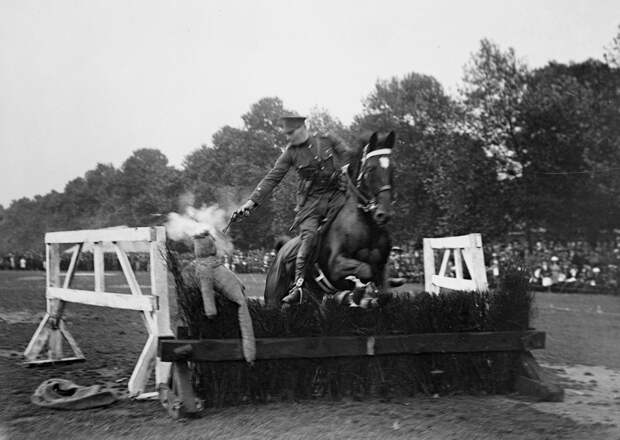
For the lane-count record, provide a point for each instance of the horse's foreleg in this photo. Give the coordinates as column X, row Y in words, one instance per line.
column 381, row 281
column 381, row 278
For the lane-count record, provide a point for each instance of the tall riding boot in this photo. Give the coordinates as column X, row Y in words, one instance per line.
column 296, row 292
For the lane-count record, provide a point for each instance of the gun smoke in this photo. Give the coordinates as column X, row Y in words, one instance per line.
column 193, row 221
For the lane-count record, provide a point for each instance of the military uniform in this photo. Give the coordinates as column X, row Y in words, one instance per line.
column 318, row 162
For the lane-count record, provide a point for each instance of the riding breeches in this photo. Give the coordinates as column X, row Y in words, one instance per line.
column 308, row 230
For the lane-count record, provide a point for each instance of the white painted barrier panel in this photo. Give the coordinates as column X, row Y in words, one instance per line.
column 154, row 307
column 466, row 248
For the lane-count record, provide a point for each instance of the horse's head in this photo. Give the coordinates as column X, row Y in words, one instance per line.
column 375, row 175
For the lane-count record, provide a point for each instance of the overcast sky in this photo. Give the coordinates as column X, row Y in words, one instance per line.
column 85, row 81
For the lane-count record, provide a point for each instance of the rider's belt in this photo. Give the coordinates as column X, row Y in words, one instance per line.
column 324, row 181
column 323, row 282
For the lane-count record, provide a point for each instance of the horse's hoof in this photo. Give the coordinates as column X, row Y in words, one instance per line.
column 293, row 297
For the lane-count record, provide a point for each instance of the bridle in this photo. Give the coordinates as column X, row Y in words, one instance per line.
column 367, row 203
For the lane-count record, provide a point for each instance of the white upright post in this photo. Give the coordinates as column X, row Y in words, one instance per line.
column 159, row 289
column 429, row 267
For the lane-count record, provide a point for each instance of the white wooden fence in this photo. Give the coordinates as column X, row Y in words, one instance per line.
column 464, row 247
column 154, row 308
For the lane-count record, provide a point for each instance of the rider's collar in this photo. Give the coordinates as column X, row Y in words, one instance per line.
column 305, row 143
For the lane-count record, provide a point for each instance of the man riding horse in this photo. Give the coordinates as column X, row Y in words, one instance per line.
column 318, row 160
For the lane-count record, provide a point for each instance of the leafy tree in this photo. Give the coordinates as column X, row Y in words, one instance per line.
column 147, row 188
column 612, row 53
column 25, row 224
column 570, row 156
column 493, row 87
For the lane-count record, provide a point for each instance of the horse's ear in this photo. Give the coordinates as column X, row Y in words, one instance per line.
column 372, row 142
column 390, row 140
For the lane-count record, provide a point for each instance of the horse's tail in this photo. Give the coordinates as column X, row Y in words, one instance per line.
column 280, row 274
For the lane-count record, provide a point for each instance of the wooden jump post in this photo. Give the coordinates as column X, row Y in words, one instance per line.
column 464, row 247
column 154, row 307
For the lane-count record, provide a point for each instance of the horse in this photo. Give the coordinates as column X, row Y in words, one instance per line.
column 355, row 248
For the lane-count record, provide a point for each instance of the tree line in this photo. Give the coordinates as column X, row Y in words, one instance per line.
column 516, row 148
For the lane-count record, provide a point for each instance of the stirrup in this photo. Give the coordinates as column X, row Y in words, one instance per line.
column 296, row 293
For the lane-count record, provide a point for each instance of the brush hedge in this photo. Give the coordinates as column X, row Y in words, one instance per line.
column 231, row 383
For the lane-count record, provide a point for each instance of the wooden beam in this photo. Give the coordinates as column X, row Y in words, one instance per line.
column 39, row 338
column 336, row 346
column 134, row 286
column 479, row 275
column 454, row 283
column 159, row 281
column 142, row 371
column 67, row 360
column 52, row 275
column 107, row 235
column 429, row 267
column 71, row 270
column 159, row 288
column 461, row 241
column 444, row 262
column 53, row 265
column 458, row 263
column 104, row 299
column 99, row 267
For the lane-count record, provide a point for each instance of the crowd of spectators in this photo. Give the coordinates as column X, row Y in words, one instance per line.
column 252, row 261
column 36, row 261
column 550, row 264
column 22, row 261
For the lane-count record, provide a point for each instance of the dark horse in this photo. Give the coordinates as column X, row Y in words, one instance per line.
column 356, row 243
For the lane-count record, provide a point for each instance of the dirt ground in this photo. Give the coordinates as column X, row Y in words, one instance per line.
column 112, row 339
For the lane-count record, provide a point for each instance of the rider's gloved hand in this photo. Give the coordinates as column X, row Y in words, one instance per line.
column 244, row 210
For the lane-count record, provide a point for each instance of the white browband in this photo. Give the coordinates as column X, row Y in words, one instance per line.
column 380, row 152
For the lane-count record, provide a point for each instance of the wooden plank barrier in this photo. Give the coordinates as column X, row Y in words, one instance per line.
column 216, row 350
column 154, row 308
column 179, row 399
column 466, row 248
